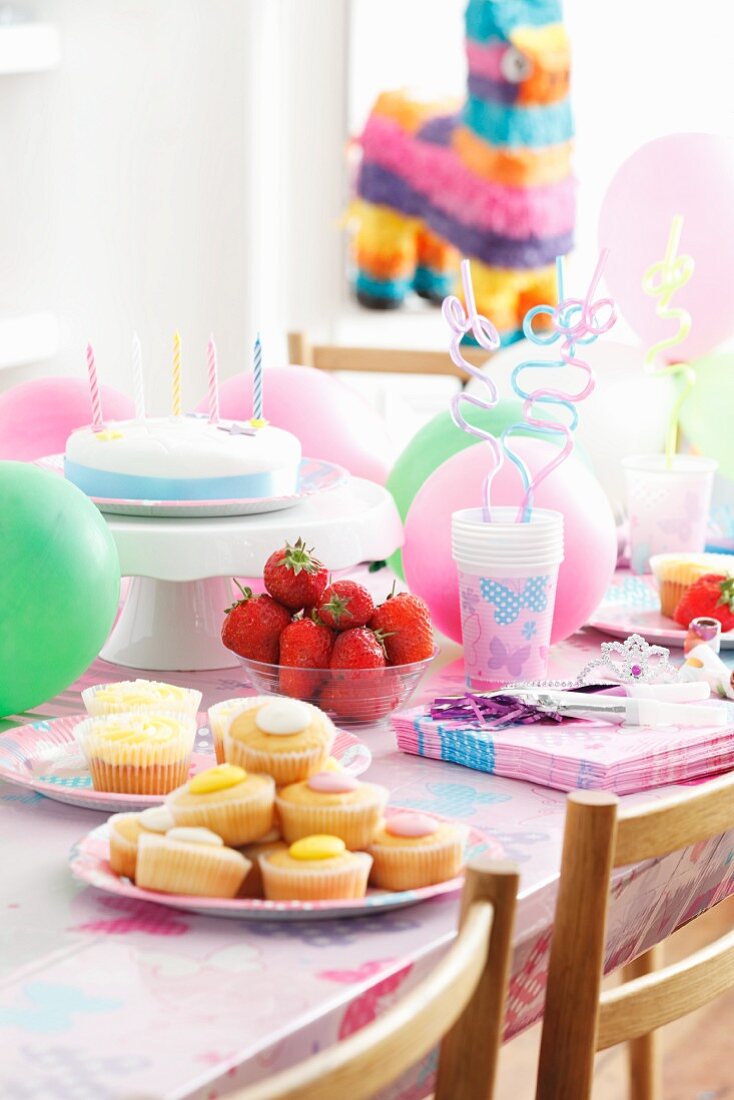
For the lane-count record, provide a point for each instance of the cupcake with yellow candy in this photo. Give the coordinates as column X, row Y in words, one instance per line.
column 283, row 737
column 191, row 862
column 414, row 850
column 141, row 752
column 220, row 716
column 315, row 868
column 331, row 802
column 125, row 832
column 233, row 803
column 130, row 695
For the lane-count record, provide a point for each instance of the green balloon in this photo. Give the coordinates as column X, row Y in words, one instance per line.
column 706, row 414
column 59, row 585
column 437, row 441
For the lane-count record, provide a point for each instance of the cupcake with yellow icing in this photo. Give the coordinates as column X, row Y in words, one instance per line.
column 252, row 887
column 220, row 716
column 141, row 752
column 125, row 832
column 334, row 803
column 315, row 868
column 414, row 850
column 233, row 803
column 133, row 695
column 191, row 862
column 285, row 738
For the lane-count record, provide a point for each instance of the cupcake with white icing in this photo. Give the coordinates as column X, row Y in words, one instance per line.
column 285, row 738
column 131, row 695
column 125, row 832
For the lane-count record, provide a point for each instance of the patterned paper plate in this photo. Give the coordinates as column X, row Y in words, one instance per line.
column 633, row 607
column 314, row 476
column 43, row 756
column 89, row 862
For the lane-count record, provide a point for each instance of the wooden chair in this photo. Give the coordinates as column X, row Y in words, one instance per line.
column 330, row 357
column 579, row 1019
column 463, row 999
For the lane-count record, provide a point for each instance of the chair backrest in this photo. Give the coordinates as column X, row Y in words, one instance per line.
column 579, row 1019
column 331, row 357
column 462, row 1002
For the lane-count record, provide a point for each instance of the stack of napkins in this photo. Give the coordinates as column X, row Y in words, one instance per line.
column 572, row 754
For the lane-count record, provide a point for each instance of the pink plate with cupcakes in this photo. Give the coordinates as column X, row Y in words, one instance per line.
column 44, row 756
column 89, row 863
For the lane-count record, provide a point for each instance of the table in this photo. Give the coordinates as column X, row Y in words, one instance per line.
column 103, row 999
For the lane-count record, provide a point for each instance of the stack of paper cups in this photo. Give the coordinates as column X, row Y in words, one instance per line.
column 508, row 573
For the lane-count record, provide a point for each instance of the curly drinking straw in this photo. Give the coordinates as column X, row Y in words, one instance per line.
column 577, row 321
column 661, row 280
column 461, row 322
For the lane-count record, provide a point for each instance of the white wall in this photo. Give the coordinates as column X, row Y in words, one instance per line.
column 125, row 190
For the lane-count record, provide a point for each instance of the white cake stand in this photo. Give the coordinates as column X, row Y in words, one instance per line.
column 181, row 569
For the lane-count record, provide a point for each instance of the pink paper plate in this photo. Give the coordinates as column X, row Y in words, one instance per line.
column 632, row 606
column 314, row 476
column 43, row 756
column 89, row 862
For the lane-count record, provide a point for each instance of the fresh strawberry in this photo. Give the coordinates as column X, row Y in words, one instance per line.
column 363, row 695
column 345, row 604
column 404, row 623
column 294, row 577
column 304, row 645
column 357, row 648
column 253, row 626
column 712, row 596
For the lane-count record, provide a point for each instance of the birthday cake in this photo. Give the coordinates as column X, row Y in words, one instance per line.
column 183, row 458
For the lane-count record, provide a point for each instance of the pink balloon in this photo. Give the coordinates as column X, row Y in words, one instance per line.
column 37, row 417
column 589, row 532
column 687, row 174
column 332, row 422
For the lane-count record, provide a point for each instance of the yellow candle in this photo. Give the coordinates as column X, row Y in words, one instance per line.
column 176, row 396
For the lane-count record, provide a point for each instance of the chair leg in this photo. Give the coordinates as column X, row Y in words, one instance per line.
column 645, row 1053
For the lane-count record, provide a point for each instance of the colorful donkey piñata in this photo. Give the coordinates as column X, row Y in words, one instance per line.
column 489, row 179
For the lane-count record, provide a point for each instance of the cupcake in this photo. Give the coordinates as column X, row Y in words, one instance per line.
column 284, row 738
column 228, row 800
column 141, row 752
column 315, row 868
column 412, row 850
column 331, row 802
column 190, row 861
column 220, row 715
column 252, row 887
column 125, row 832
column 130, row 695
column 675, row 573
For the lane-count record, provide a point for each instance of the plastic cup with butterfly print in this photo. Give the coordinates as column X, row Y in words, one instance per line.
column 668, row 508
column 508, row 574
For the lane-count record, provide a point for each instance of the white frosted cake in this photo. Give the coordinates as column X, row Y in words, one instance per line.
column 183, row 458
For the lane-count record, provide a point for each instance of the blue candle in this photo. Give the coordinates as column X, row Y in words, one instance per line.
column 257, row 382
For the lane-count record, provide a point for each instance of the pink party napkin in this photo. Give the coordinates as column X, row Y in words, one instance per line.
column 574, row 754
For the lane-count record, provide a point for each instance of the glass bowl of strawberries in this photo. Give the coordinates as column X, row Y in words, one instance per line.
column 328, row 643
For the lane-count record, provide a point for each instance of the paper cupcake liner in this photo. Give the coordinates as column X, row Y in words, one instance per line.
column 96, row 708
column 355, row 824
column 253, row 887
column 674, row 578
column 285, row 767
column 410, row 868
column 220, row 716
column 349, row 880
column 200, row 870
column 237, row 821
column 123, row 852
column 146, row 768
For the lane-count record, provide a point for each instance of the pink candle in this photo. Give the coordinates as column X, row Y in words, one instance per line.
column 211, row 364
column 97, row 422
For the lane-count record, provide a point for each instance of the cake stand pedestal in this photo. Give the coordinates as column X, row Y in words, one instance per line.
column 181, row 569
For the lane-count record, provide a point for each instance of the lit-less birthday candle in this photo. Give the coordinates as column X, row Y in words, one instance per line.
column 213, row 380
column 661, row 280
column 257, row 382
column 97, row 422
column 176, row 404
